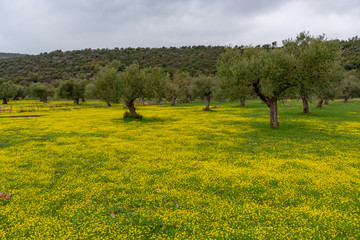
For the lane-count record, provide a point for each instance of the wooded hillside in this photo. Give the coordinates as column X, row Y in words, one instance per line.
column 58, row 65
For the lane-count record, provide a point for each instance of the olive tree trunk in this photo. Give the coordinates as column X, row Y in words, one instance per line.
column 346, row 99
column 272, row 103
column 326, row 102
column 43, row 99
column 108, row 104
column 207, row 102
column 242, row 102
column 320, row 103
column 76, row 101
column 5, row 101
column 173, row 101
column 131, row 106
column 305, row 105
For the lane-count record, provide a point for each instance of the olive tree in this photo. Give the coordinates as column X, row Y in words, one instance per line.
column 269, row 72
column 179, row 87
column 41, row 90
column 315, row 58
column 72, row 89
column 105, row 85
column 129, row 85
column 233, row 83
column 350, row 86
column 272, row 75
column 133, row 85
column 204, row 87
column 21, row 92
column 7, row 90
column 157, row 80
column 328, row 88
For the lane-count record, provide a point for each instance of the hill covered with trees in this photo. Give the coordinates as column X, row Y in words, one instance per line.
column 351, row 53
column 59, row 65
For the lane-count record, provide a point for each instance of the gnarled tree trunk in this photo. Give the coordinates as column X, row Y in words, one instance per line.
column 305, row 105
column 76, row 101
column 242, row 102
column 108, row 103
column 272, row 103
column 83, row 99
column 320, row 103
column 173, row 101
column 131, row 106
column 5, row 101
column 346, row 99
column 326, row 102
column 43, row 99
column 16, row 98
column 207, row 101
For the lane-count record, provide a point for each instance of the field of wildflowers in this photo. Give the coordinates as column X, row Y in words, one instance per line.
column 180, row 172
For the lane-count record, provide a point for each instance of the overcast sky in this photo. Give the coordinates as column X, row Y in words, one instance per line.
column 35, row 26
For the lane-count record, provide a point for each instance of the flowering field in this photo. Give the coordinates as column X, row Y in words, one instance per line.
column 180, row 173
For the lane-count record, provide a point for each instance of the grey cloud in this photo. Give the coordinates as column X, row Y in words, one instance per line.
column 33, row 26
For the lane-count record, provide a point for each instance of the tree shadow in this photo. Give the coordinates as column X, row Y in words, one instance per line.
column 142, row 120
column 24, row 116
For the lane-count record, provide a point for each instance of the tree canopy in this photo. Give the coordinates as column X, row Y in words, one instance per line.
column 315, row 59
column 42, row 91
column 7, row 90
column 232, row 69
column 179, row 87
column 105, row 85
column 204, row 87
column 72, row 89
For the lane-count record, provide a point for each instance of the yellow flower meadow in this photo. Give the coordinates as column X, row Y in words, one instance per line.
column 180, row 173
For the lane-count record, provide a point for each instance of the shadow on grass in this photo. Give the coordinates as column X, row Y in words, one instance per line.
column 141, row 120
column 25, row 116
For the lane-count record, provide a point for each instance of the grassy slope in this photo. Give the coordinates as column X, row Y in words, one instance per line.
column 182, row 172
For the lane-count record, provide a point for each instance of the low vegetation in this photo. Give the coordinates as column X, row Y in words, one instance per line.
column 82, row 172
column 144, row 161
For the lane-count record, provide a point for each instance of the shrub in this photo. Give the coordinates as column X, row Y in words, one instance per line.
column 127, row 114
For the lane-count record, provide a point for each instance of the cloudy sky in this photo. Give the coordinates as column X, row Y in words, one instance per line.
column 35, row 26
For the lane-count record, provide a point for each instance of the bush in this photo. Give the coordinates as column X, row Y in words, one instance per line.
column 128, row 115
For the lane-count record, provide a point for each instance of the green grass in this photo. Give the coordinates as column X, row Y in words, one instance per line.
column 180, row 173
